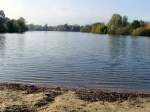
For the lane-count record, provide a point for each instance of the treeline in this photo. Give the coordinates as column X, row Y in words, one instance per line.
column 66, row 27
column 117, row 25
column 11, row 25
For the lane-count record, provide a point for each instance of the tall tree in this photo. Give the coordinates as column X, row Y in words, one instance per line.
column 124, row 21
column 2, row 14
column 7, row 25
column 22, row 24
column 3, row 26
column 13, row 26
column 135, row 24
column 114, row 23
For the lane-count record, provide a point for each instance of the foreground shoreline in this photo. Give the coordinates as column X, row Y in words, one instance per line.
column 83, row 93
column 32, row 98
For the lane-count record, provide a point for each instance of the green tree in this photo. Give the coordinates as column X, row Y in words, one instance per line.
column 123, row 31
column 135, row 24
column 99, row 28
column 3, row 26
column 144, row 30
column 45, row 27
column 75, row 28
column 22, row 24
column 125, row 21
column 7, row 25
column 2, row 14
column 86, row 28
column 114, row 23
column 13, row 26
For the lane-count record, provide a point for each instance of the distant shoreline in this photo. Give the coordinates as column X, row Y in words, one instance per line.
column 113, row 35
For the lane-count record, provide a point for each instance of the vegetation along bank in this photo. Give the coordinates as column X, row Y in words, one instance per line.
column 117, row 25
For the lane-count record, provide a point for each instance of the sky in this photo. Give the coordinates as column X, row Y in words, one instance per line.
column 54, row 12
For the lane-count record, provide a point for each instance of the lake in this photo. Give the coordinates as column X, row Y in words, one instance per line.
column 76, row 60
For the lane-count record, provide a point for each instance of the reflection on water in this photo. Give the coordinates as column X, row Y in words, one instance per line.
column 76, row 59
column 2, row 41
column 2, row 44
column 118, row 46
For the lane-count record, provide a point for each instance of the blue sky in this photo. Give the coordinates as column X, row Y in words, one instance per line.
column 55, row 12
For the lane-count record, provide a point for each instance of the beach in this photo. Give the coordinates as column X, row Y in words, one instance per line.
column 31, row 98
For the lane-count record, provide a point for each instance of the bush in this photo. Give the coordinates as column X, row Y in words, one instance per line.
column 122, row 31
column 142, row 31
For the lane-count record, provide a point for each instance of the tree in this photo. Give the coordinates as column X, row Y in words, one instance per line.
column 2, row 14
column 114, row 23
column 135, row 24
column 123, row 31
column 75, row 28
column 144, row 30
column 13, row 26
column 142, row 23
column 99, row 28
column 86, row 28
column 3, row 26
column 45, row 27
column 125, row 21
column 22, row 24
column 7, row 25
column 66, row 27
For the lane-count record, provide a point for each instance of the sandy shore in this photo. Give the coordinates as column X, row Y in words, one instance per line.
column 29, row 98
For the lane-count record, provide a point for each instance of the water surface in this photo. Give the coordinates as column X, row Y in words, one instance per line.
column 76, row 60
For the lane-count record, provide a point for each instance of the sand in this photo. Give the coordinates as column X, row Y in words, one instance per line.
column 59, row 100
